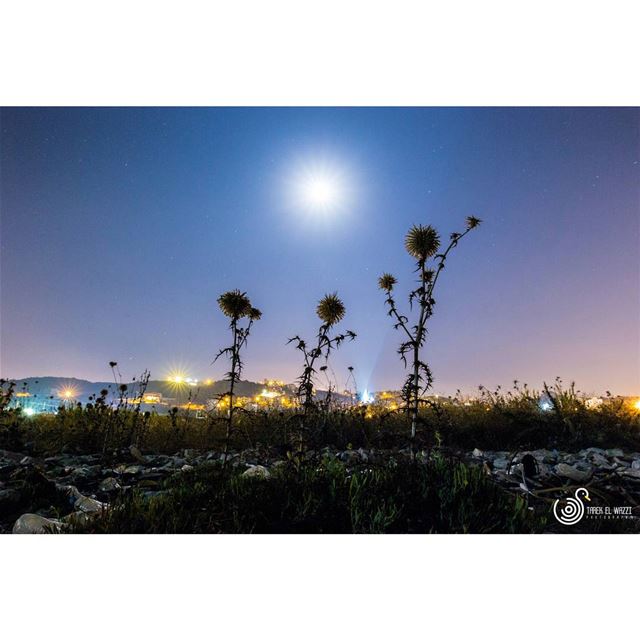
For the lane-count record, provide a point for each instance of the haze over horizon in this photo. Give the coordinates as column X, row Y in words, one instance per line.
column 119, row 228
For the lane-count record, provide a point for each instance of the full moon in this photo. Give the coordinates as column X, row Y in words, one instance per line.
column 321, row 191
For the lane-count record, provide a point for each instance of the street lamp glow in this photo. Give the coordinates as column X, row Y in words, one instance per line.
column 68, row 393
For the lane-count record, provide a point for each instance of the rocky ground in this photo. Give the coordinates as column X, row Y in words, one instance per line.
column 39, row 494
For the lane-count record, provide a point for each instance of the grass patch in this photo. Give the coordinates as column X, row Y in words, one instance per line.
column 441, row 496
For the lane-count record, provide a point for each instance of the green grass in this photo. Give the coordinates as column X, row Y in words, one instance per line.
column 441, row 496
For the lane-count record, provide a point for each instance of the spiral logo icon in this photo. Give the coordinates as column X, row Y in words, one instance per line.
column 573, row 510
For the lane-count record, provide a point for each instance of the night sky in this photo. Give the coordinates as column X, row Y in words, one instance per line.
column 120, row 227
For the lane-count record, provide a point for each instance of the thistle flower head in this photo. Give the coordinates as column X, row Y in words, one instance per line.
column 473, row 222
column 330, row 309
column 235, row 304
column 422, row 242
column 386, row 282
column 254, row 314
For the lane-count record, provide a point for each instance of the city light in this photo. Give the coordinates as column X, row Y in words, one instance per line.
column 68, row 392
column 366, row 397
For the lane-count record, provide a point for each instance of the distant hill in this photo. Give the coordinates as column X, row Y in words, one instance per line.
column 46, row 386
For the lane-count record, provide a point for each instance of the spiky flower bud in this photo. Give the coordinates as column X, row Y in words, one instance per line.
column 422, row 242
column 386, row 282
column 235, row 304
column 473, row 222
column 330, row 309
column 255, row 314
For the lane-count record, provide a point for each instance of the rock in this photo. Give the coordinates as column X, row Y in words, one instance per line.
column 599, row 460
column 33, row 523
column 186, row 467
column 81, row 502
column 133, row 470
column 635, row 464
column 544, row 455
column 89, row 505
column 85, row 473
column 72, row 494
column 476, row 453
column 78, row 518
column 585, row 453
column 572, row 472
column 349, row 456
column 500, row 463
column 109, row 484
column 136, row 454
column 257, row 471
column 632, row 473
column 615, row 453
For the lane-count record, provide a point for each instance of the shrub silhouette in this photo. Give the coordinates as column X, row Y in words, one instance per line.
column 236, row 306
column 422, row 243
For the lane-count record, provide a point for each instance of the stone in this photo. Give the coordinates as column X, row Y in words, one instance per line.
column 89, row 505
column 33, row 523
column 108, row 485
column 635, row 465
column 544, row 455
column 500, row 463
column 78, row 518
column 257, row 471
column 476, row 453
column 133, row 470
column 136, row 454
column 621, row 463
column 599, row 460
column 186, row 467
column 572, row 472
column 615, row 453
column 349, row 456
column 586, row 452
column 632, row 473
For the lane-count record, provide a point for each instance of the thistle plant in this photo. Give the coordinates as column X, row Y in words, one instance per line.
column 330, row 311
column 237, row 307
column 422, row 244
